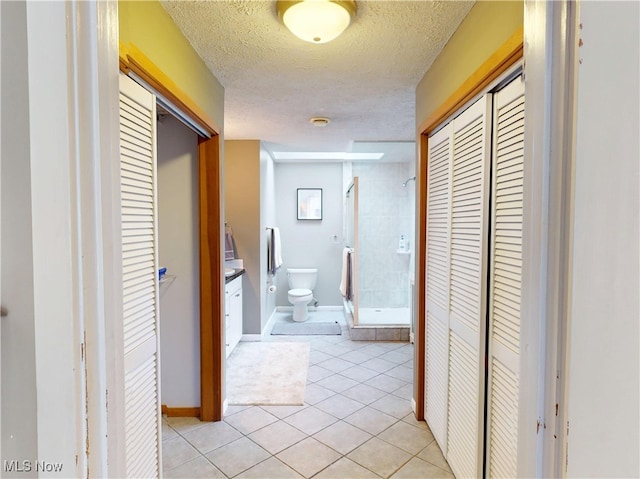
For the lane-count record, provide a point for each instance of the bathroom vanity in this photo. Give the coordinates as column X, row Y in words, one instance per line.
column 233, row 309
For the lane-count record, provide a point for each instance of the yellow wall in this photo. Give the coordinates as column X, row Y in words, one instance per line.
column 487, row 26
column 151, row 30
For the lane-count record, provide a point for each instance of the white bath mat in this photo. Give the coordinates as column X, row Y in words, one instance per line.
column 267, row 373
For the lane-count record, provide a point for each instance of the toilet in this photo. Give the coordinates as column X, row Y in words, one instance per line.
column 301, row 284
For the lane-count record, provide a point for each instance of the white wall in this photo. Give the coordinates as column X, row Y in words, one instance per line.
column 386, row 210
column 604, row 363
column 178, row 252
column 308, row 243
column 267, row 219
column 19, row 411
column 42, row 335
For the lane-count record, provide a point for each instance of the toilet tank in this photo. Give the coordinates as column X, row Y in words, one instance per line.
column 302, row 278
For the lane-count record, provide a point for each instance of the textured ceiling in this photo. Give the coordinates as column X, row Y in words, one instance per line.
column 364, row 81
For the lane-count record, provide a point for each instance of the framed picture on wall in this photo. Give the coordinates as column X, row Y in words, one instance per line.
column 309, row 203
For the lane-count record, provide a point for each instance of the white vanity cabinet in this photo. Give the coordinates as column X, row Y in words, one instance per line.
column 233, row 313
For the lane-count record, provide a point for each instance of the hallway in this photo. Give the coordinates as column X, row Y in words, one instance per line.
column 356, row 422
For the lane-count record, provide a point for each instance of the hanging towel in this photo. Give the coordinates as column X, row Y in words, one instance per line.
column 274, row 250
column 345, row 282
column 277, row 248
column 229, row 245
column 350, row 275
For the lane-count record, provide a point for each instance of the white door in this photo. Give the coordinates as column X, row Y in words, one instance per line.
column 505, row 281
column 140, row 280
column 471, row 142
column 437, row 283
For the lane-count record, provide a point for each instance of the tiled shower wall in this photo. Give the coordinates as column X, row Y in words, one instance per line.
column 386, row 210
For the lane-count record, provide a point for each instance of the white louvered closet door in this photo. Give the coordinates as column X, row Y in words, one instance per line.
column 467, row 299
column 437, row 283
column 140, row 285
column 505, row 281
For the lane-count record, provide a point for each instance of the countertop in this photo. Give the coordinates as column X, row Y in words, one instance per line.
column 237, row 272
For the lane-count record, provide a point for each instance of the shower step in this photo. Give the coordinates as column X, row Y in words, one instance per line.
column 376, row 332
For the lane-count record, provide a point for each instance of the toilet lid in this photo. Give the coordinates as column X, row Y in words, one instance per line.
column 299, row 292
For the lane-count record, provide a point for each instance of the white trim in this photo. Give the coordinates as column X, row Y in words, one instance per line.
column 105, row 349
column 91, row 120
column 58, row 283
column 251, row 337
column 269, row 325
column 281, row 309
column 550, row 43
column 1, row 90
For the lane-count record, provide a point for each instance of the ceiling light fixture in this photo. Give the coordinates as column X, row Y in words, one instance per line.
column 316, row 21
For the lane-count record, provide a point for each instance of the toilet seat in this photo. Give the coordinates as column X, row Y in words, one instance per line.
column 299, row 292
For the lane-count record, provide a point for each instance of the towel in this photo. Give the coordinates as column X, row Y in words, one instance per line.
column 229, row 246
column 345, row 281
column 277, row 248
column 349, row 276
column 274, row 250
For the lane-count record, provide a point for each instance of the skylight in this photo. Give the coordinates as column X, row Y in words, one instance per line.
column 324, row 155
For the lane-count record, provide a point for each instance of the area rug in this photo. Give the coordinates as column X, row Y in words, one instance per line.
column 267, row 373
column 308, row 328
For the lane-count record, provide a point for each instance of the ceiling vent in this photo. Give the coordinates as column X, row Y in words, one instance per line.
column 319, row 121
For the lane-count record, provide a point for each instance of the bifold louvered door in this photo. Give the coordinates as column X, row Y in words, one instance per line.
column 140, row 284
column 467, row 299
column 473, row 275
column 437, row 297
column 457, row 189
column 505, row 281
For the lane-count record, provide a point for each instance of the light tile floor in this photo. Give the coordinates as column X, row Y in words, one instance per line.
column 356, row 422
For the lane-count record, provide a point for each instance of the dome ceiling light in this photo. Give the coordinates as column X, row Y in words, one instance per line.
column 316, row 21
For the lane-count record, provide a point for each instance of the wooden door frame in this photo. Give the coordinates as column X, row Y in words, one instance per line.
column 132, row 60
column 498, row 63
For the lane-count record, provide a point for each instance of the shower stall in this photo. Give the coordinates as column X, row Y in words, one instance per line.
column 379, row 230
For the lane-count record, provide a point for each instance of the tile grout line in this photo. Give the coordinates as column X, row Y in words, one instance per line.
column 330, row 350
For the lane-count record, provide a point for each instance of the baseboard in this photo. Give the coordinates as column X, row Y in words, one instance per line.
column 326, row 308
column 251, row 337
column 180, row 411
column 270, row 321
column 225, row 406
column 413, row 405
column 282, row 309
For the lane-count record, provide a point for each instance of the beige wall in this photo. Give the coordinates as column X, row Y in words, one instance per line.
column 151, row 30
column 242, row 213
column 487, row 26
